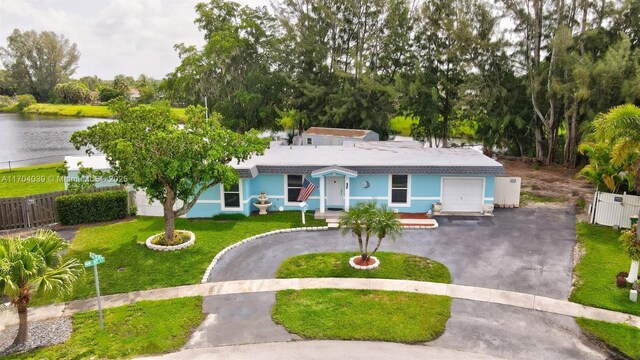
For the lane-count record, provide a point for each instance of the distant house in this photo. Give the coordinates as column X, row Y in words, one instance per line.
column 133, row 94
column 335, row 136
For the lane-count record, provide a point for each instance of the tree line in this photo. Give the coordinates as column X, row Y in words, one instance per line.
column 529, row 75
column 523, row 76
column 41, row 64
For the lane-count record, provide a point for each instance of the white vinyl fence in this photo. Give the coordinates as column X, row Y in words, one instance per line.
column 614, row 209
column 153, row 209
column 507, row 192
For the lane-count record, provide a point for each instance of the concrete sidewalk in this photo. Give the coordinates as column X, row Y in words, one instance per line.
column 521, row 300
column 324, row 349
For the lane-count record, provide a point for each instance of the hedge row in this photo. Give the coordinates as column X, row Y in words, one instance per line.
column 92, row 207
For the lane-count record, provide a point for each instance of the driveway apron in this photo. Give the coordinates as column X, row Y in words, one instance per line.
column 524, row 250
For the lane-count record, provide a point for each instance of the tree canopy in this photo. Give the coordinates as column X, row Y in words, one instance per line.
column 170, row 161
column 37, row 62
column 528, row 86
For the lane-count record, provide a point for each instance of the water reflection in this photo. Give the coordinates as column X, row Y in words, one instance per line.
column 29, row 137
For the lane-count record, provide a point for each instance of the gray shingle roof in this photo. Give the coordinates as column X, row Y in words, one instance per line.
column 374, row 157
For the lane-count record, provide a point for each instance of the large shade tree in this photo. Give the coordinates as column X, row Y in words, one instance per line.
column 34, row 267
column 150, row 150
column 36, row 62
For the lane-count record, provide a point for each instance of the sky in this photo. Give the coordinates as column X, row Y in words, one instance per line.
column 130, row 37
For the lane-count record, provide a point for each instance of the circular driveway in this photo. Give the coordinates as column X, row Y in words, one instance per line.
column 524, row 250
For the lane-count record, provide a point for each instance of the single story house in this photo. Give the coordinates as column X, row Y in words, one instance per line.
column 404, row 176
column 335, row 136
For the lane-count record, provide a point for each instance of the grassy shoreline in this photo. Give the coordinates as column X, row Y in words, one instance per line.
column 68, row 110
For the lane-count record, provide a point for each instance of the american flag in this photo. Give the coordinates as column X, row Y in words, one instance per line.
column 307, row 189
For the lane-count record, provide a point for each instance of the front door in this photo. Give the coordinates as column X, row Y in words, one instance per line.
column 335, row 191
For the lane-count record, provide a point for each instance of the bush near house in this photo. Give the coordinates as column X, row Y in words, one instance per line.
column 92, row 207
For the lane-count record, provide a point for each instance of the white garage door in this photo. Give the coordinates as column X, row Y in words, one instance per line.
column 462, row 195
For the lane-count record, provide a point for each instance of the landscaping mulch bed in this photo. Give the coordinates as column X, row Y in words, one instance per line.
column 41, row 333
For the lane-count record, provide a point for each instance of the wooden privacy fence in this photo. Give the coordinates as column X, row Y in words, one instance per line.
column 34, row 210
column 614, row 209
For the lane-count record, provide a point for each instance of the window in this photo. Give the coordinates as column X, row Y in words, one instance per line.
column 309, row 141
column 399, row 189
column 232, row 196
column 294, row 184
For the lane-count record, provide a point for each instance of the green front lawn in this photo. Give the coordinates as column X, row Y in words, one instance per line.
column 130, row 266
column 604, row 258
column 362, row 315
column 597, row 270
column 622, row 337
column 30, row 180
column 142, row 328
column 392, row 266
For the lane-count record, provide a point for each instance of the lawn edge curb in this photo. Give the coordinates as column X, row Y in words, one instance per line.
column 218, row 256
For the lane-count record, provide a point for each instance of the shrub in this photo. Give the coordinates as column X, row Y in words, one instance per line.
column 72, row 92
column 92, row 207
column 24, row 101
column 6, row 101
column 629, row 240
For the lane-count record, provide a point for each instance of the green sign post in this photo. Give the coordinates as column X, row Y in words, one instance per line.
column 95, row 260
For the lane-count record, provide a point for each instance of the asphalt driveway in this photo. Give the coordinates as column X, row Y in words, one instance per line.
column 524, row 250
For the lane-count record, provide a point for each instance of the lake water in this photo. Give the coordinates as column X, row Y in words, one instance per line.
column 30, row 140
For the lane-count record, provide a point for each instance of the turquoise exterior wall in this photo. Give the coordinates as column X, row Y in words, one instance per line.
column 424, row 191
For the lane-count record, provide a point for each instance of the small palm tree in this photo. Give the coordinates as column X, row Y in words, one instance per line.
column 365, row 219
column 620, row 129
column 33, row 267
column 357, row 221
column 385, row 223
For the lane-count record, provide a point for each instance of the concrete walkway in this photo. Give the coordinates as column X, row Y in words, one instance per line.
column 520, row 300
column 325, row 349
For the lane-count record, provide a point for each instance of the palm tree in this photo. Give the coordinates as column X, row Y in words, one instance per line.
column 358, row 221
column 33, row 267
column 385, row 222
column 620, row 128
column 365, row 219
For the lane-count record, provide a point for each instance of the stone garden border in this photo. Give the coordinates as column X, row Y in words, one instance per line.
column 215, row 260
column 174, row 247
column 366, row 267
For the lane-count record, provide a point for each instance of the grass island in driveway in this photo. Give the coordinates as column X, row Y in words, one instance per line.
column 362, row 314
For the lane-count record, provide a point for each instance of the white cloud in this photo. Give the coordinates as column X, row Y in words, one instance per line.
column 116, row 36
